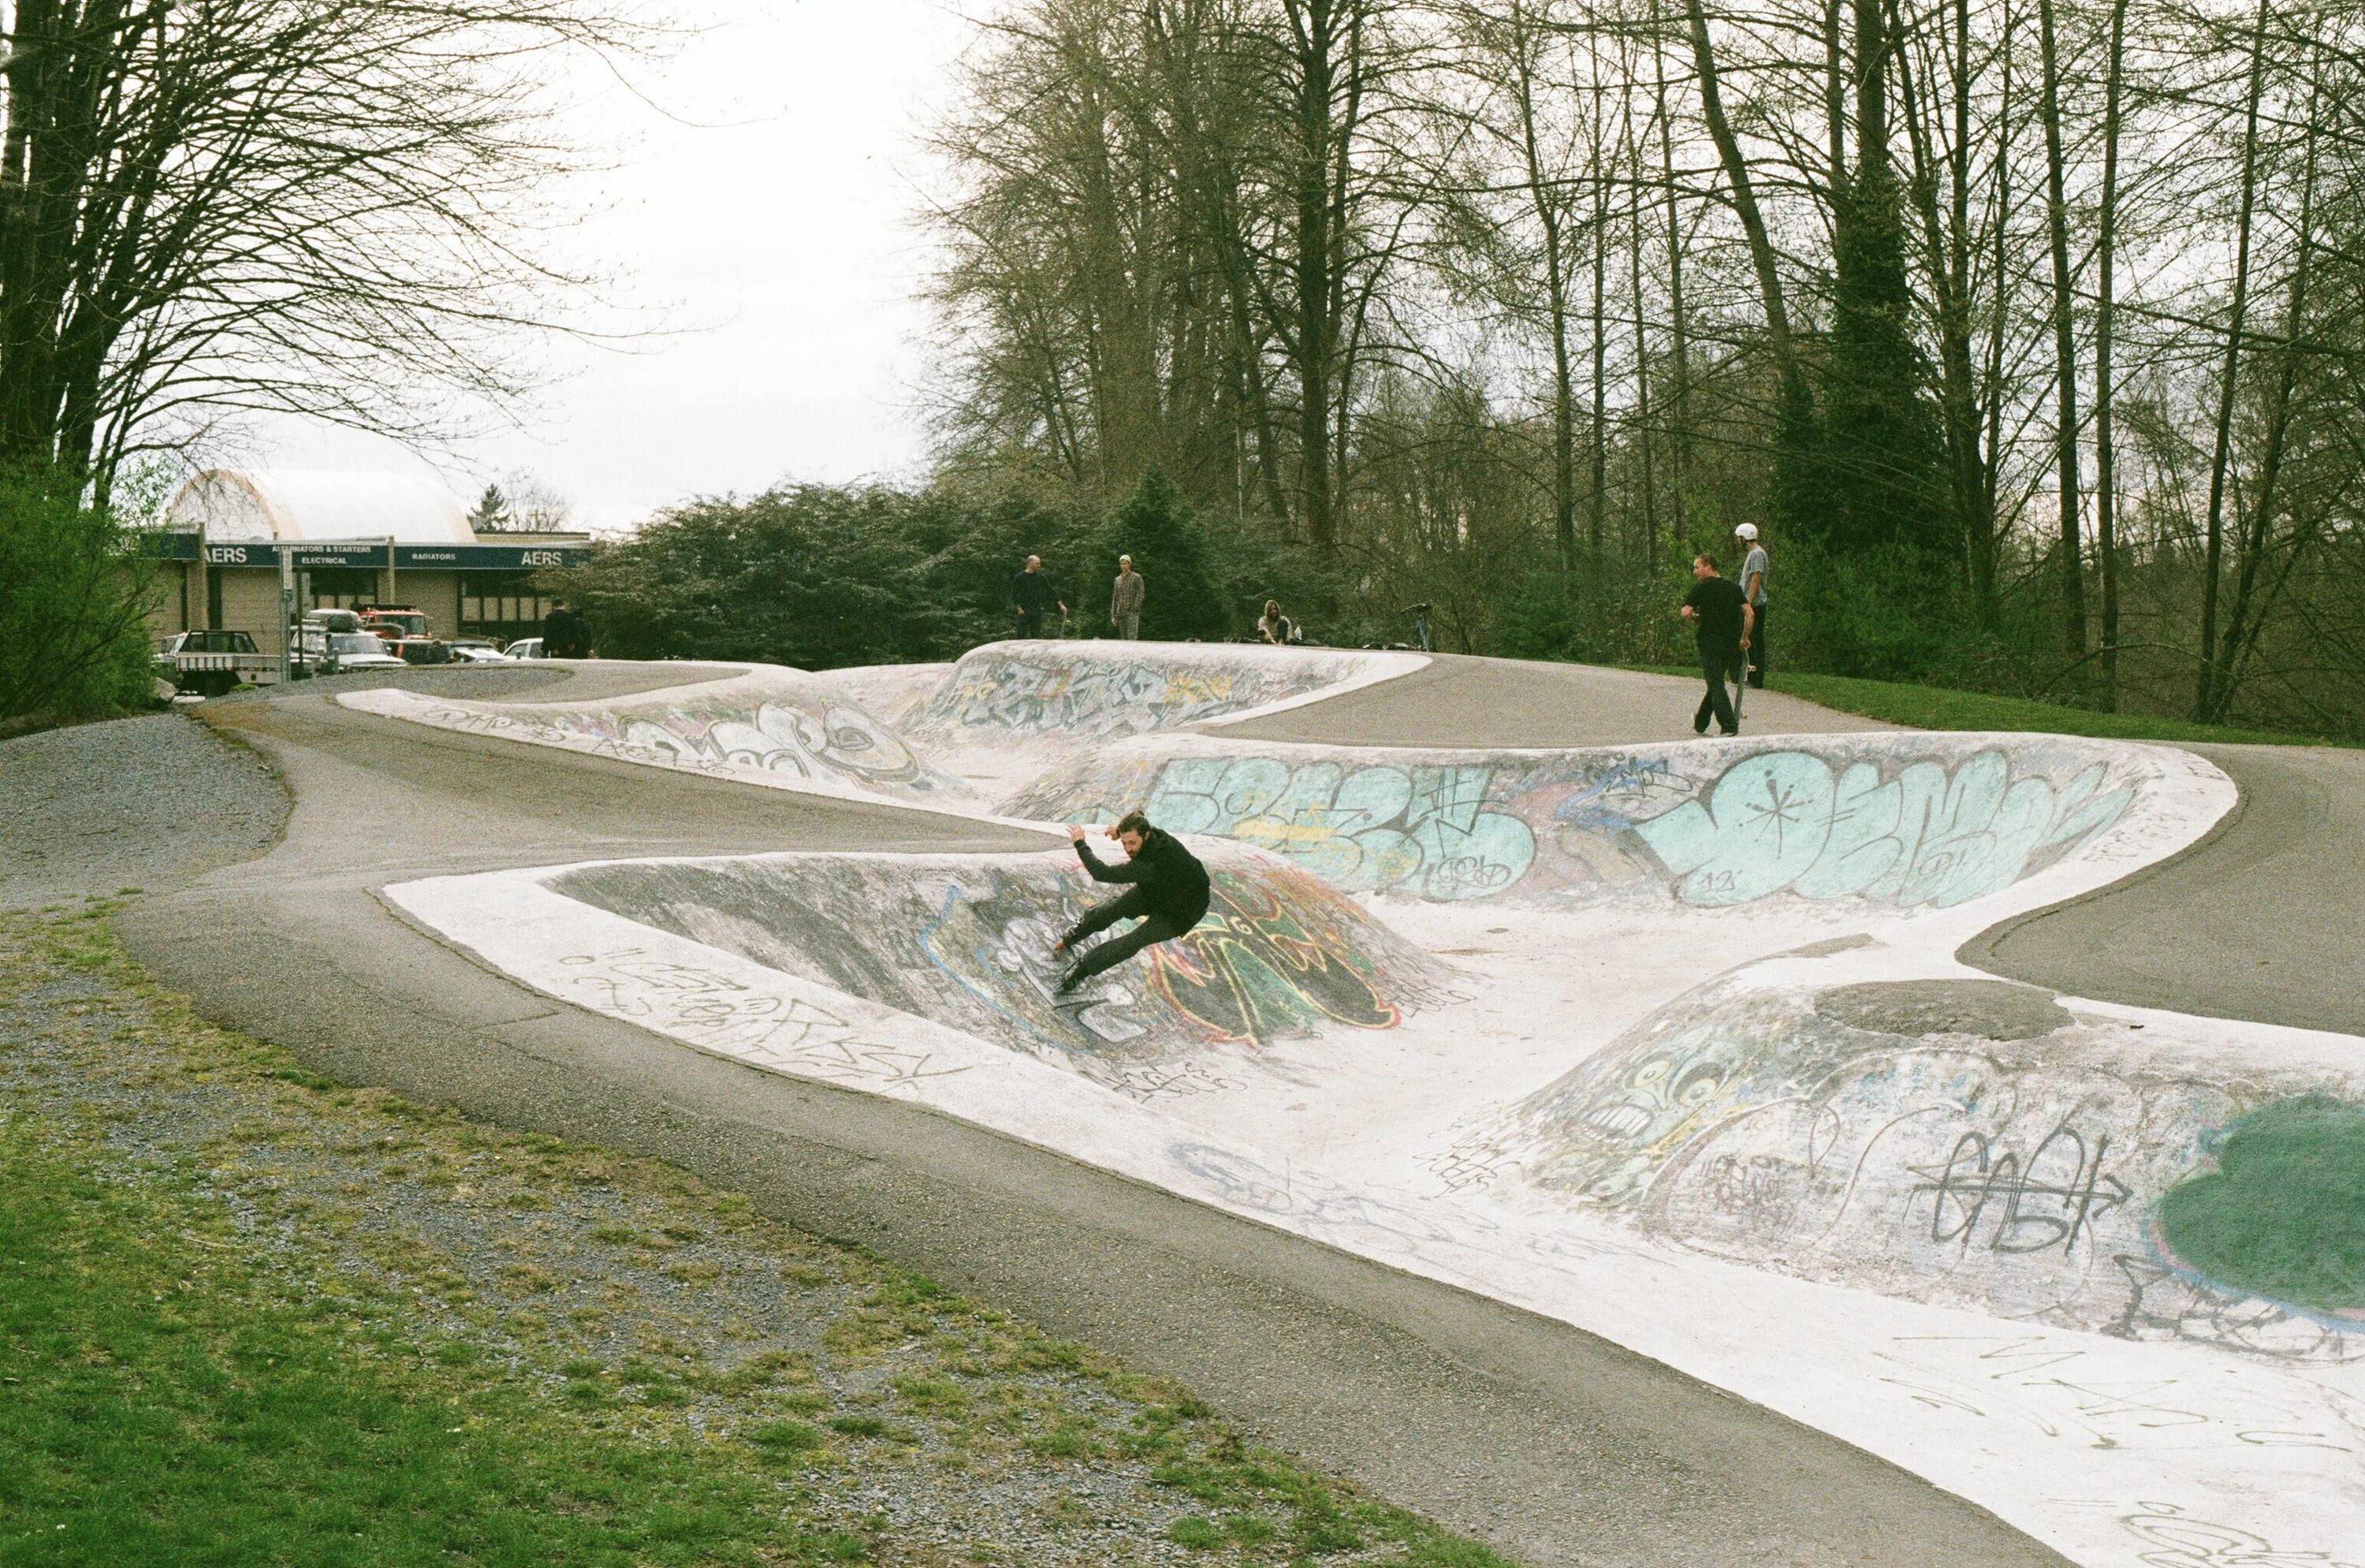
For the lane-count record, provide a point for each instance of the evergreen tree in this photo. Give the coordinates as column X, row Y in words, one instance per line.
column 1882, row 457
column 1157, row 527
column 492, row 513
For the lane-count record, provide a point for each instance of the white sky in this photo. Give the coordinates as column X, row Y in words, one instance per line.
column 775, row 230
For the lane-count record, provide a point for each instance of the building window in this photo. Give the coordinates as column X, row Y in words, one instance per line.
column 501, row 605
column 341, row 587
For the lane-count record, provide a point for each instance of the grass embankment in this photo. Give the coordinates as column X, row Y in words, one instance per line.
column 247, row 1316
column 1943, row 708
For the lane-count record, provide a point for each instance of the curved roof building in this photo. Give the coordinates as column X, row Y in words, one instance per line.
column 318, row 505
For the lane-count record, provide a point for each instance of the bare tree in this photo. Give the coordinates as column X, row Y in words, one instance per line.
column 315, row 207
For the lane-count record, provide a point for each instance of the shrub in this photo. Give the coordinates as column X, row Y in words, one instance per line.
column 73, row 603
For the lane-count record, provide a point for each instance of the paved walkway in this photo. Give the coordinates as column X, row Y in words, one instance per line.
column 2264, row 920
column 1557, row 1447
column 1464, row 701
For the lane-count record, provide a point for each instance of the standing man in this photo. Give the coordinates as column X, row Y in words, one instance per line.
column 564, row 634
column 1030, row 592
column 1124, row 601
column 1169, row 896
column 1752, row 589
column 1719, row 617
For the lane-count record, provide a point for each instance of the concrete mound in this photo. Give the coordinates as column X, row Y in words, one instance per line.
column 965, row 941
column 1900, row 820
column 1968, row 1143
column 766, row 724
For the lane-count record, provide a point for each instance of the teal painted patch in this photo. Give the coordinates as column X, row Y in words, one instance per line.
column 2283, row 1217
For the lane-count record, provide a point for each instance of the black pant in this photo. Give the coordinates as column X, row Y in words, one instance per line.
column 1758, row 647
column 1133, row 903
column 1717, row 666
column 1030, row 622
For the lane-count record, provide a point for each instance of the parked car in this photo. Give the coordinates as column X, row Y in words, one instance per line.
column 525, row 648
column 475, row 651
column 210, row 663
column 345, row 652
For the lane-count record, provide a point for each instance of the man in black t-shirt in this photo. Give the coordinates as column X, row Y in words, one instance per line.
column 1721, row 618
column 1031, row 593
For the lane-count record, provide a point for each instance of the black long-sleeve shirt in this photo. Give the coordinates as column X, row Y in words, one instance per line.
column 1169, row 875
column 1031, row 591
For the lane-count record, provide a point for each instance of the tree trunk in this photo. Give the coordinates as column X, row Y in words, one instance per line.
column 1545, row 199
column 2064, row 343
column 2204, row 698
column 2257, row 536
column 2106, row 473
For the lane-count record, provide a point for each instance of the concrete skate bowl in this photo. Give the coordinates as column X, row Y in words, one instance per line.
column 764, row 723
column 1897, row 821
column 965, row 941
column 1969, row 1143
column 1072, row 694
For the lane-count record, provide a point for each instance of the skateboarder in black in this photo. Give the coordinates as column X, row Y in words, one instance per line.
column 1720, row 617
column 1169, row 896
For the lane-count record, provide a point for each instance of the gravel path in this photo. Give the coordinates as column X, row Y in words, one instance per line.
column 149, row 803
column 652, row 1306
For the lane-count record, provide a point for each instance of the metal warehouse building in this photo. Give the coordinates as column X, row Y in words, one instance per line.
column 349, row 538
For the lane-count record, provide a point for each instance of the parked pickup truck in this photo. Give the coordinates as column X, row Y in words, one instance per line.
column 212, row 661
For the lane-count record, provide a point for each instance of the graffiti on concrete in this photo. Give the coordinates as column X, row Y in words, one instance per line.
column 2016, row 1176
column 711, row 1009
column 1277, row 956
column 1272, row 959
column 1366, row 829
column 2173, row 1537
column 828, row 741
column 834, row 741
column 1280, row 955
column 1790, row 822
column 1583, row 825
column 1098, row 700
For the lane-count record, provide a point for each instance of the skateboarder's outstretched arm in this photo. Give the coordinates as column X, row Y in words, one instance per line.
column 1101, row 870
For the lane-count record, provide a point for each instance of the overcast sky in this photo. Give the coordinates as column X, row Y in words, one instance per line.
column 777, row 230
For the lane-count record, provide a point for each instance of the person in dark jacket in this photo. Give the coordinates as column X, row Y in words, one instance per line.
column 564, row 634
column 1032, row 594
column 1169, row 896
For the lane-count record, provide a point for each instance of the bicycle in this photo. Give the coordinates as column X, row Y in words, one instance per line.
column 1419, row 613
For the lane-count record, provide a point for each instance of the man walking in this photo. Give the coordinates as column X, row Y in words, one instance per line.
column 1169, row 896
column 1030, row 592
column 1125, row 600
column 1752, row 589
column 1720, row 618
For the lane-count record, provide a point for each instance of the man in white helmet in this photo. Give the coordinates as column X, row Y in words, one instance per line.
column 1752, row 589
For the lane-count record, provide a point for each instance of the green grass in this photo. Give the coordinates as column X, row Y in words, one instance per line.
column 1943, row 708
column 249, row 1316
column 168, row 1401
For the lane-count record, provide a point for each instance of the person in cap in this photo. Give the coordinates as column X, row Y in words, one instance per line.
column 1752, row 589
column 1125, row 600
column 1168, row 895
